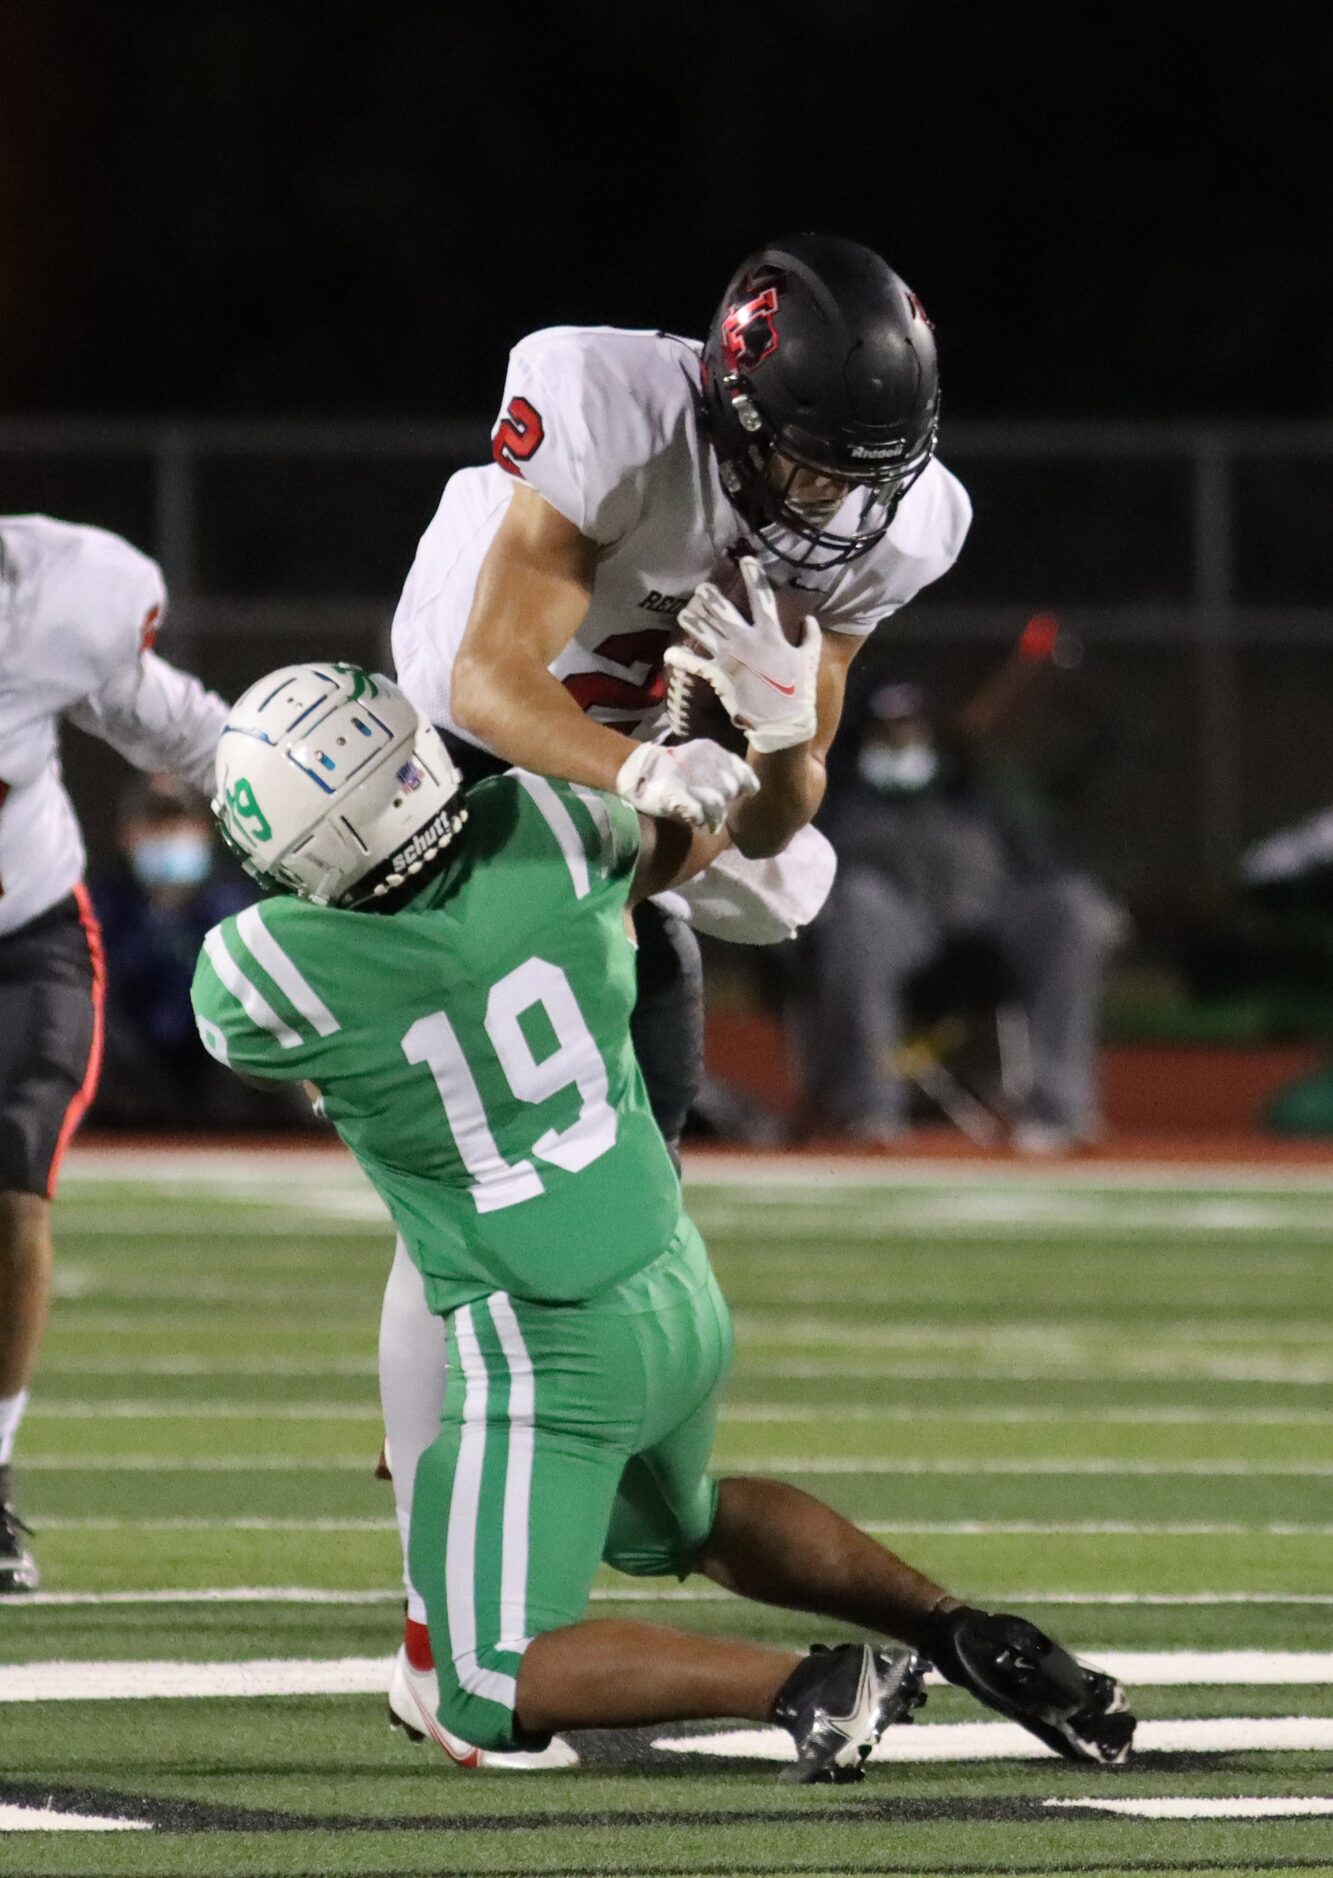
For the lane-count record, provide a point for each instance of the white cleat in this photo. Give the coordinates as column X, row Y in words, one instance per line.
column 414, row 1696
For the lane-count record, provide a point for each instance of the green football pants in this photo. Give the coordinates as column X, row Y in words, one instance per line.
column 572, row 1434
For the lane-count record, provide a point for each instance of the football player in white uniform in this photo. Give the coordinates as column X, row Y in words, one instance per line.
column 79, row 609
column 641, row 485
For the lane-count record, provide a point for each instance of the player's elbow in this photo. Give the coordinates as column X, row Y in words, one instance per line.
column 472, row 696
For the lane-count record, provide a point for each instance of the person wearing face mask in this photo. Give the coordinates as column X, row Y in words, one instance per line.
column 929, row 857
column 155, row 904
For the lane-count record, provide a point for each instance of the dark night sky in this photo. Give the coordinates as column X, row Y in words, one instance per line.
column 239, row 207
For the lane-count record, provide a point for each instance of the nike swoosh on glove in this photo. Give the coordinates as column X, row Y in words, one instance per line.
column 695, row 782
column 767, row 686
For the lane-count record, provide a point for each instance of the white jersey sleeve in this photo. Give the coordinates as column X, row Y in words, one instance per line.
column 574, row 426
column 157, row 718
column 78, row 611
column 924, row 541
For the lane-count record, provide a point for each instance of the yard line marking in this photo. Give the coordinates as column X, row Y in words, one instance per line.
column 65, row 1680
column 639, row 1594
column 946, row 1528
column 888, row 1464
column 356, row 1366
column 218, row 1594
column 1165, row 1416
column 93, row 1523
column 984, row 1741
column 962, row 1466
column 159, row 1411
column 202, row 1464
column 107, row 1164
column 117, row 1408
column 1270, row 1806
column 46, row 1819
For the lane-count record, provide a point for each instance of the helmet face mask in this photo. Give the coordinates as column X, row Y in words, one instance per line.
column 820, row 364
column 332, row 786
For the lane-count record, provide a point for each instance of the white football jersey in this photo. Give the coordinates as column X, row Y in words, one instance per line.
column 604, row 425
column 78, row 611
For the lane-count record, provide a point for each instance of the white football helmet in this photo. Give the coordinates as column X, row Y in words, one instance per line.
column 332, row 785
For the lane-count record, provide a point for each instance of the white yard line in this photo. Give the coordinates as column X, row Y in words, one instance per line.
column 117, row 1408
column 964, row 1466
column 46, row 1819
column 984, row 1741
column 1269, row 1806
column 76, row 1681
column 251, row 1170
column 946, row 1528
column 637, row 1594
column 887, row 1464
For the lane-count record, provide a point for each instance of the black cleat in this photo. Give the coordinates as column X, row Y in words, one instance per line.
column 1018, row 1670
column 838, row 1702
column 18, row 1567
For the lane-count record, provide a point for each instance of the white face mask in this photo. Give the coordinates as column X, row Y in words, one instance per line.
column 180, row 858
column 898, row 766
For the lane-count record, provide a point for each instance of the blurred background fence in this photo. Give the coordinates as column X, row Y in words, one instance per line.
column 1194, row 564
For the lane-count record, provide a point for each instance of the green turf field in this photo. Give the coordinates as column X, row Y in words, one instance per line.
column 1104, row 1398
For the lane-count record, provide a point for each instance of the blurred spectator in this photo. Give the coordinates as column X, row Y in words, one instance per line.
column 934, row 863
column 155, row 905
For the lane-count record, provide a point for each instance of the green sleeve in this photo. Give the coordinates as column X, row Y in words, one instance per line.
column 247, row 1018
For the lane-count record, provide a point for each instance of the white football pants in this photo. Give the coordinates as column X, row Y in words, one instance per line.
column 411, row 1362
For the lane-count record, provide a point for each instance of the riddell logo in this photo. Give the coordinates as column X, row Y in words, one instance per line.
column 428, row 837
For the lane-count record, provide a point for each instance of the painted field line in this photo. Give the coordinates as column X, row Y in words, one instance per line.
column 68, row 1681
column 1296, row 1375
column 202, row 1464
column 936, row 1528
column 643, row 1594
column 243, row 1523
column 963, row 1466
column 132, row 1681
column 1268, row 1806
column 104, row 1164
column 46, row 1819
column 985, row 1741
column 1167, row 1416
column 972, row 1466
column 354, row 1366
column 202, row 1409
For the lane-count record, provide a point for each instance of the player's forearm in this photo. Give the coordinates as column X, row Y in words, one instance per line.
column 791, row 788
column 157, row 717
column 527, row 717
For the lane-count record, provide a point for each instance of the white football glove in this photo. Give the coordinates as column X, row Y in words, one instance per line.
column 768, row 687
column 695, row 782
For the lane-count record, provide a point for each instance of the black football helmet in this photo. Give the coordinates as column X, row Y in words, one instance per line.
column 819, row 359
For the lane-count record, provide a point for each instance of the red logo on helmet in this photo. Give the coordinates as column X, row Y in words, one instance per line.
column 748, row 333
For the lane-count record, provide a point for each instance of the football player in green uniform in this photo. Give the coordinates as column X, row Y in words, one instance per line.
column 456, row 977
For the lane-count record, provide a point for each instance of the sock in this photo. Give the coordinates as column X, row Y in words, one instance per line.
column 11, row 1414
column 411, row 1356
column 416, row 1641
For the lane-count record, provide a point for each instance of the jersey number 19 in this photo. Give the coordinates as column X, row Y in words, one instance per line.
column 576, row 1063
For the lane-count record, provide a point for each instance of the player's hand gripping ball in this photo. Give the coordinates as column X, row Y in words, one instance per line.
column 767, row 686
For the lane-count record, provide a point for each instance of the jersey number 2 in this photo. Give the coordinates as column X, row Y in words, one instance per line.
column 518, row 436
column 576, row 1063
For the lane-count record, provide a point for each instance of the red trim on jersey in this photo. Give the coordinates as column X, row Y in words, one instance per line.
column 92, row 933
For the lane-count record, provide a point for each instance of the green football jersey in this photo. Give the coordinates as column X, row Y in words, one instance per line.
column 473, row 1049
